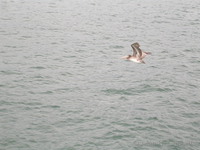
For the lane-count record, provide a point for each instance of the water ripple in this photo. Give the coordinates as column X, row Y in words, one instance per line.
column 64, row 86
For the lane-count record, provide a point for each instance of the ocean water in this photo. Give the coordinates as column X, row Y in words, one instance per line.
column 64, row 86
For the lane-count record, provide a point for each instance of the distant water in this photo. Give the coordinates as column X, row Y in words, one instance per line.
column 63, row 85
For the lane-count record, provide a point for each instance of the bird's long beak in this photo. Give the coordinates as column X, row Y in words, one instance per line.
column 124, row 57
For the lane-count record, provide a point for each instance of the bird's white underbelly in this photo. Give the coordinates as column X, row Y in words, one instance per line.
column 134, row 60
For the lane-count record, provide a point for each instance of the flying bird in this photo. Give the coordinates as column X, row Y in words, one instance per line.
column 138, row 54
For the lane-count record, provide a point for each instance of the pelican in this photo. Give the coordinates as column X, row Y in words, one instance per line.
column 138, row 54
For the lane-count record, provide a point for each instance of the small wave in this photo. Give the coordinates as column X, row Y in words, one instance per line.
column 120, row 91
column 37, row 67
column 8, row 72
column 51, row 106
column 26, row 37
column 47, row 92
column 137, row 90
column 116, row 47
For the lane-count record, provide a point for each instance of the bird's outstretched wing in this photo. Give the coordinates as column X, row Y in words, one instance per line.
column 136, row 50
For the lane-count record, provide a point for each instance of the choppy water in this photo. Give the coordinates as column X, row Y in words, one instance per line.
column 63, row 85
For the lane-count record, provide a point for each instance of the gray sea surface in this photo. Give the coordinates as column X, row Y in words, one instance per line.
column 64, row 86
